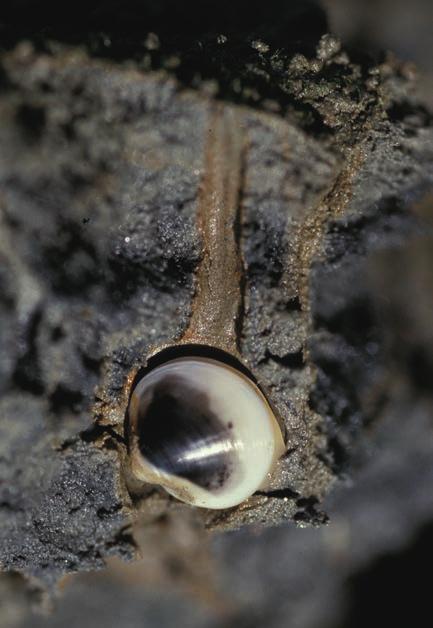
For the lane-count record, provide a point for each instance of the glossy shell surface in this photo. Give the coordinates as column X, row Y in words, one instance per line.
column 203, row 431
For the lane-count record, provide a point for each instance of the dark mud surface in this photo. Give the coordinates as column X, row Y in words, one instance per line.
column 102, row 145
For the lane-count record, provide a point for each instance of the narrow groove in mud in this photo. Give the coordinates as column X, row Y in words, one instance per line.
column 217, row 305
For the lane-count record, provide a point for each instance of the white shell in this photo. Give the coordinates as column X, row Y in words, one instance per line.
column 203, row 431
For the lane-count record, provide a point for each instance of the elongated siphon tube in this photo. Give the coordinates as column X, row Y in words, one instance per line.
column 197, row 425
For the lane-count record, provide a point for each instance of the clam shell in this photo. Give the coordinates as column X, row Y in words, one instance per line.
column 204, row 431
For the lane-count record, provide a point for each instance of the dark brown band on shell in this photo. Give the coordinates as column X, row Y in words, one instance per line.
column 178, row 433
